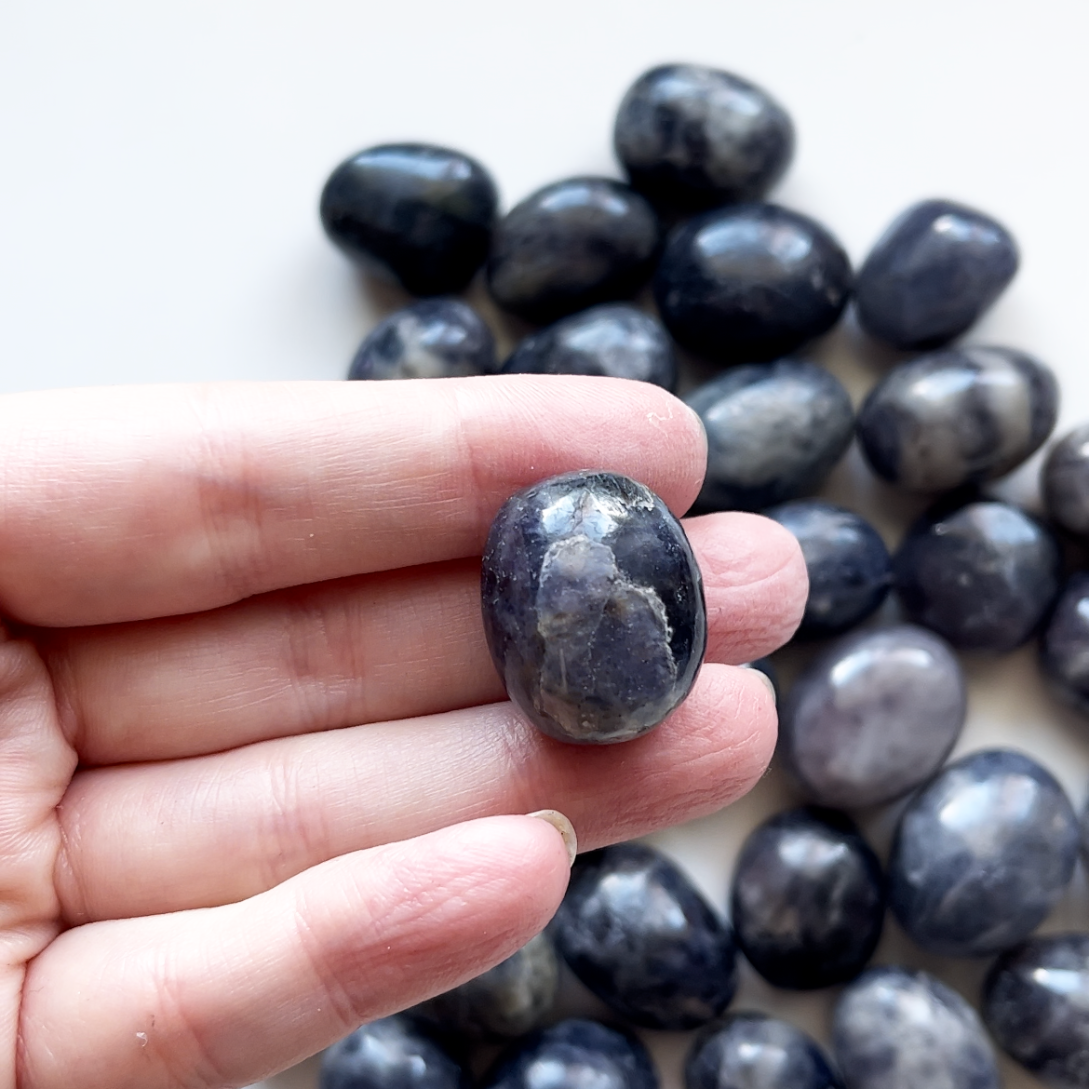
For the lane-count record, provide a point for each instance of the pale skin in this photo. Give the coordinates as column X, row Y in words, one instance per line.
column 258, row 781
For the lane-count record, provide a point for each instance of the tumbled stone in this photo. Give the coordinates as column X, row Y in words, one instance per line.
column 1064, row 482
column 419, row 214
column 982, row 854
column 807, row 899
column 692, row 137
column 750, row 283
column 614, row 340
column 960, row 416
column 436, row 338
column 1064, row 644
column 571, row 245
column 774, row 432
column 932, row 274
column 982, row 575
column 593, row 606
column 634, row 929
column 849, row 567
column 872, row 717
column 753, row 1051
column 897, row 1029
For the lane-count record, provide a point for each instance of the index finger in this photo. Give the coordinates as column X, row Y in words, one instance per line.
column 130, row 503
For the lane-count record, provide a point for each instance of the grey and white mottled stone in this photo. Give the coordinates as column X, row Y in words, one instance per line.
column 1064, row 482
column 398, row 1052
column 897, row 1029
column 1064, row 644
column 960, row 416
column 982, row 854
column 872, row 717
column 1036, row 1005
column 774, row 432
column 436, row 338
column 614, row 340
column 693, row 137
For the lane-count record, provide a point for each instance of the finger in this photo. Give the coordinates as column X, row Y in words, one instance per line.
column 372, row 649
column 231, row 995
column 154, row 837
column 119, row 504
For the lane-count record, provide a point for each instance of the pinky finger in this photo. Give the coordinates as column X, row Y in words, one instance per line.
column 229, row 995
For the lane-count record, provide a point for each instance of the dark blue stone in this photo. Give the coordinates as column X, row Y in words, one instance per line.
column 961, row 416
column 1036, row 1004
column 614, row 341
column 436, row 338
column 872, row 717
column 849, row 567
column 774, row 432
column 419, row 214
column 751, row 282
column 571, row 245
column 593, row 606
column 397, row 1052
column 807, row 899
column 897, row 1029
column 982, row 854
column 638, row 934
column 936, row 269
column 692, row 137
column 983, row 575
column 1065, row 482
column 754, row 1051
column 1064, row 646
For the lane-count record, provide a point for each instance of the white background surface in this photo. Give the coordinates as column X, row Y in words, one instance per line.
column 162, row 163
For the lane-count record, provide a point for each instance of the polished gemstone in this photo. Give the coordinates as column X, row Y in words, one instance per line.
column 1064, row 645
column 751, row 282
column 774, row 432
column 872, row 717
column 983, row 574
column 936, row 269
column 982, row 854
column 614, row 340
column 593, row 606
column 638, row 934
column 398, row 1052
column 849, row 568
column 1065, row 482
column 571, row 245
column 418, row 214
column 692, row 137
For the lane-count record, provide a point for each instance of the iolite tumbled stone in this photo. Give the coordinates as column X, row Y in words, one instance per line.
column 419, row 214
column 693, row 137
column 932, row 274
column 397, row 1052
column 982, row 854
column 751, row 282
column 1064, row 482
column 638, row 934
column 593, row 606
column 1064, row 644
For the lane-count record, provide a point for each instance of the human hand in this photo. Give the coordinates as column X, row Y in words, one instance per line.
column 253, row 759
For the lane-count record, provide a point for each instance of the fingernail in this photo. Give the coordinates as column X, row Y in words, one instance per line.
column 565, row 828
column 767, row 683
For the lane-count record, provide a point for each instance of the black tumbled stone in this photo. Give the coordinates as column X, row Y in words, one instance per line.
column 1064, row 482
column 1064, row 644
column 397, row 1052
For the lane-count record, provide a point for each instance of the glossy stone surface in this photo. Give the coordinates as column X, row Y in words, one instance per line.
column 576, row 1054
column 936, row 269
column 751, row 282
column 960, row 416
column 634, row 929
column 1064, row 482
column 436, row 338
column 1036, row 1005
column 692, row 137
column 753, row 1051
column 982, row 854
column 593, row 606
column 397, row 1052
column 983, row 575
column 571, row 245
column 897, row 1029
column 774, row 432
column 613, row 340
column 849, row 567
column 807, row 899
column 511, row 999
column 1064, row 644
column 872, row 717
column 419, row 214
